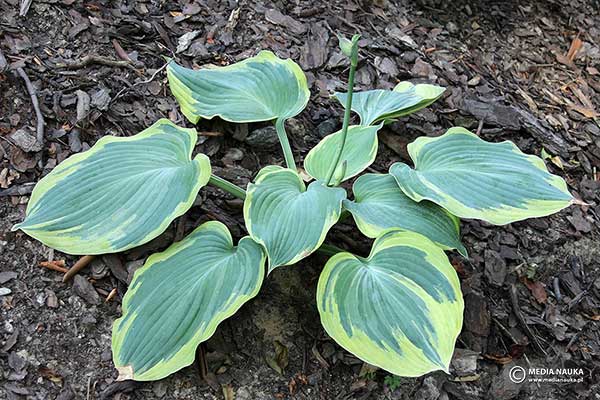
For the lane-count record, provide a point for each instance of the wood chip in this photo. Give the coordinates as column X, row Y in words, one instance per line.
column 575, row 46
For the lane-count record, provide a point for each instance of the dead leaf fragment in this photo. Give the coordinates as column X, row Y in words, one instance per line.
column 7, row 176
column 120, row 51
column 50, row 374
column 228, row 392
column 276, row 17
column 20, row 160
column 498, row 359
column 281, row 358
column 83, row 105
column 537, row 289
column 185, row 40
column 575, row 46
column 319, row 357
column 530, row 102
column 367, row 369
column 25, row 140
column 125, row 373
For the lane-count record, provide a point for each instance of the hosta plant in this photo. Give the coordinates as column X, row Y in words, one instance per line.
column 400, row 308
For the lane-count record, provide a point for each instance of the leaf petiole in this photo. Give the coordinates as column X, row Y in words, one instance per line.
column 329, row 249
column 285, row 144
column 227, row 186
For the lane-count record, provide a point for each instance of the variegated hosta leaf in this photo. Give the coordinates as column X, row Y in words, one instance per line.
column 400, row 309
column 359, row 152
column 123, row 192
column 260, row 88
column 287, row 218
column 377, row 105
column 379, row 205
column 473, row 178
column 179, row 297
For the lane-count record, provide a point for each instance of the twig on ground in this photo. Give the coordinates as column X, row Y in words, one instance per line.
column 556, row 286
column 514, row 299
column 577, row 299
column 165, row 37
column 119, row 387
column 201, row 361
column 24, row 8
column 111, row 295
column 180, row 229
column 3, row 62
column 505, row 331
column 205, row 374
column 89, row 387
column 210, row 133
column 125, row 89
column 510, row 335
column 18, row 190
column 480, row 126
column 304, row 356
column 79, row 265
column 36, row 105
column 95, row 59
column 572, row 341
column 319, row 357
column 120, row 52
column 57, row 265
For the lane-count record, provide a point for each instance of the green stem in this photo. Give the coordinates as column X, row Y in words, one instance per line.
column 348, row 109
column 329, row 249
column 227, row 186
column 285, row 144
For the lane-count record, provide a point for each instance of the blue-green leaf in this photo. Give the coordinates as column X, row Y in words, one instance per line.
column 288, row 219
column 179, row 297
column 260, row 88
column 473, row 178
column 359, row 152
column 379, row 205
column 400, row 309
column 374, row 106
column 123, row 192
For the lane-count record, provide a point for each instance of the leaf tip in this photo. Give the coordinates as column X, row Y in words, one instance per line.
column 397, row 168
column 576, row 201
column 125, row 373
column 462, row 250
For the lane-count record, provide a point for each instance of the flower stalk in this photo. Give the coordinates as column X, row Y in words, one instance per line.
column 349, row 48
